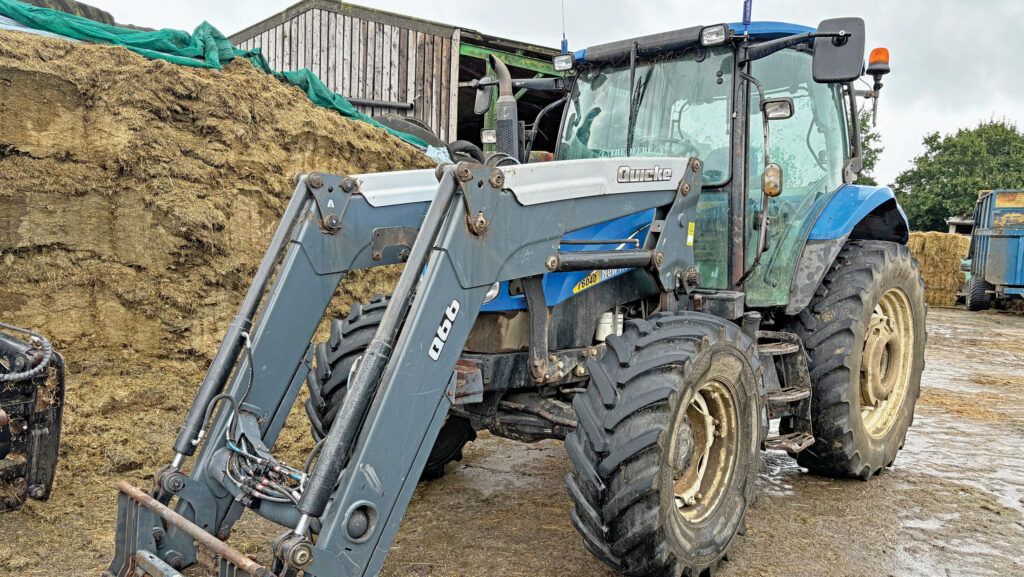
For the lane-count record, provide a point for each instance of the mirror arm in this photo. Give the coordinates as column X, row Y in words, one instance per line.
column 553, row 84
column 758, row 51
column 856, row 162
column 532, row 135
column 762, row 239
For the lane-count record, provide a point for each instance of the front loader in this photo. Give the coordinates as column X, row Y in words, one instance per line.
column 655, row 297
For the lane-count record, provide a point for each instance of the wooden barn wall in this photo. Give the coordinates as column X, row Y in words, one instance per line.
column 360, row 58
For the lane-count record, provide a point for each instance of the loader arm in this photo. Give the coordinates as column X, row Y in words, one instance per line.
column 482, row 225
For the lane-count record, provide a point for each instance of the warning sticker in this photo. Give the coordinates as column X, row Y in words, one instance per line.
column 689, row 234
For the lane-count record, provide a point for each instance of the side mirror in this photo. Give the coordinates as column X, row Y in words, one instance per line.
column 839, row 58
column 484, row 96
column 777, row 108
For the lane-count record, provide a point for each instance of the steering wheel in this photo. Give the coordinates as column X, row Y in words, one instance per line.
column 689, row 149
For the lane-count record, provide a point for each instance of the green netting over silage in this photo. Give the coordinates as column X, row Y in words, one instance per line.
column 206, row 47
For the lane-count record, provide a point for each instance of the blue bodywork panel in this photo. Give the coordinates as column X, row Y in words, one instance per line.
column 560, row 286
column 766, row 30
column 847, row 207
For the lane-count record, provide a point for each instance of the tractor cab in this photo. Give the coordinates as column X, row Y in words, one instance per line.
column 769, row 109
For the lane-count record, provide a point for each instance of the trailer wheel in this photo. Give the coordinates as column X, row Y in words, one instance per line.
column 976, row 298
column 667, row 450
column 864, row 333
column 328, row 382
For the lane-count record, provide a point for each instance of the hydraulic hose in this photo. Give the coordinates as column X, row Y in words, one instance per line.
column 43, row 345
column 224, row 361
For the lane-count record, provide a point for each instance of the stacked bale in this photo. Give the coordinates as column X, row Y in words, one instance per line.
column 939, row 255
column 136, row 201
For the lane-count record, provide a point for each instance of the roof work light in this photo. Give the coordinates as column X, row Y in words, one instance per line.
column 714, row 35
column 563, row 62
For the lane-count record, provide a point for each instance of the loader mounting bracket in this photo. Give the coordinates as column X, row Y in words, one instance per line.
column 389, row 236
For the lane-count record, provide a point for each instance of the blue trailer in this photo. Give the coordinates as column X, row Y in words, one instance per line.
column 996, row 255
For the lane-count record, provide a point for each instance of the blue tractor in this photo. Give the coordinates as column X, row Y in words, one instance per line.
column 660, row 297
column 995, row 260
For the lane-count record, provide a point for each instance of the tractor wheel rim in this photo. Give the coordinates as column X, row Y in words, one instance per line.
column 886, row 362
column 709, row 428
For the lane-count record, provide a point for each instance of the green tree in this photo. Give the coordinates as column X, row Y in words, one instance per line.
column 870, row 148
column 945, row 179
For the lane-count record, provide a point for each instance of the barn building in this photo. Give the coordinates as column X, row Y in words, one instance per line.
column 390, row 64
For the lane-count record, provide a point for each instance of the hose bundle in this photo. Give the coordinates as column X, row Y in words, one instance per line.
column 43, row 344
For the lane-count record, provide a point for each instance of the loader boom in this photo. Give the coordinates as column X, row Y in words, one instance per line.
column 483, row 225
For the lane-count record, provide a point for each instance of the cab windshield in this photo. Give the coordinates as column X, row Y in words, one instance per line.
column 683, row 105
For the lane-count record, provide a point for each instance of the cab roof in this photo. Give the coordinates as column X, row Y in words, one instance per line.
column 675, row 39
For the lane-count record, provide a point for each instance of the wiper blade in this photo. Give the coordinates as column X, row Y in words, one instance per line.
column 636, row 96
column 632, row 98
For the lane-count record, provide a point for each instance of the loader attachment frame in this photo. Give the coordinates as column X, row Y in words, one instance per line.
column 31, row 412
column 477, row 225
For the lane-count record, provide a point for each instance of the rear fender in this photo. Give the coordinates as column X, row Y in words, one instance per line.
column 855, row 213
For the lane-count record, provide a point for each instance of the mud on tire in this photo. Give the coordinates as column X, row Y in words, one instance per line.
column 628, row 452
column 328, row 382
column 833, row 328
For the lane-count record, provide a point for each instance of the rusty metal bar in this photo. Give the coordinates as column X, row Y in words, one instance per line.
column 216, row 545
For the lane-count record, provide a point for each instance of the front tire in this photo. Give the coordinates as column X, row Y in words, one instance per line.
column 666, row 454
column 864, row 331
column 328, row 382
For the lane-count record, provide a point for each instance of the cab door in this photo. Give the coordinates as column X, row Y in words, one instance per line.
column 812, row 147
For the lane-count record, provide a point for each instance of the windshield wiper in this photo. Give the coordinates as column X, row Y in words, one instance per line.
column 636, row 96
column 632, row 98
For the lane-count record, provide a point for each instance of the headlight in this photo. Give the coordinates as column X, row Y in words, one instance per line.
column 714, row 35
column 492, row 293
column 563, row 62
column 488, row 136
column 777, row 108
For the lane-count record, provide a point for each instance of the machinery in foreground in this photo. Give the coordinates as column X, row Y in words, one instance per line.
column 655, row 297
column 995, row 260
column 31, row 409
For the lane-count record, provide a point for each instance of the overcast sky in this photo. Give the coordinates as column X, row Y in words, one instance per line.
column 955, row 62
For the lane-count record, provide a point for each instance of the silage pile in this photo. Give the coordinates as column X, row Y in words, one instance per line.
column 136, row 200
column 939, row 255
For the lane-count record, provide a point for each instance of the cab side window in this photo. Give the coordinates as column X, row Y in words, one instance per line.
column 812, row 147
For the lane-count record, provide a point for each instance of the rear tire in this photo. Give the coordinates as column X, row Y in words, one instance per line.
column 653, row 492
column 975, row 296
column 864, row 331
column 328, row 383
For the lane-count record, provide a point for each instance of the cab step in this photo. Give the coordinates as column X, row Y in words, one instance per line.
column 778, row 348
column 791, row 443
column 788, row 395
column 787, row 401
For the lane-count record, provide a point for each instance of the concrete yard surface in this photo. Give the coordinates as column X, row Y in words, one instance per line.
column 953, row 503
